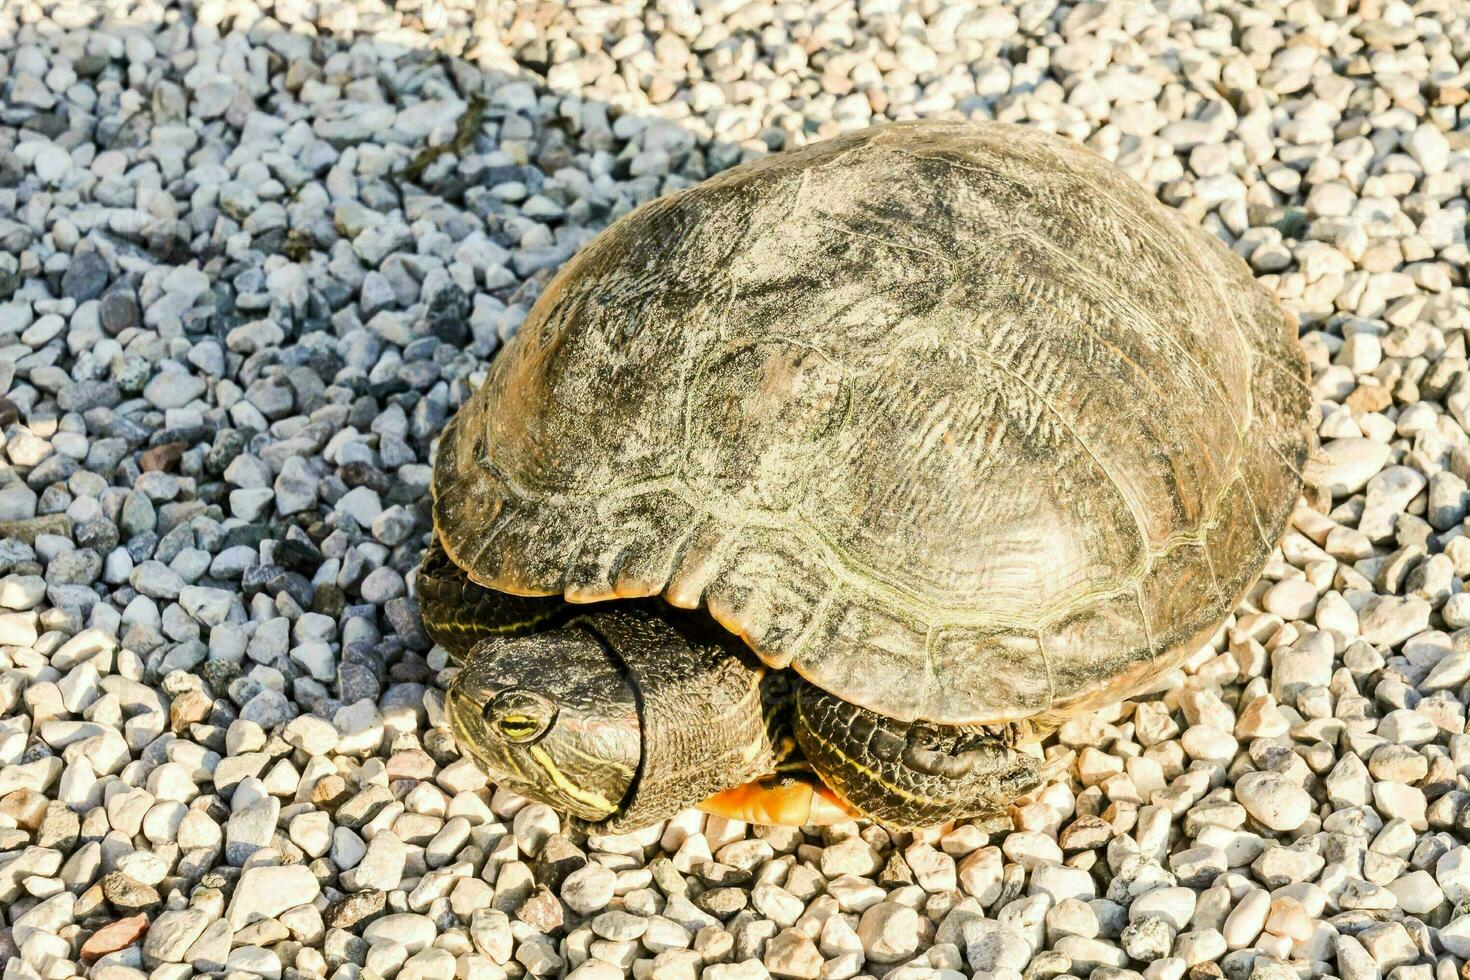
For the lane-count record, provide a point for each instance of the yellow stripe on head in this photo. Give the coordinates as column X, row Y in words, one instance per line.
column 567, row 786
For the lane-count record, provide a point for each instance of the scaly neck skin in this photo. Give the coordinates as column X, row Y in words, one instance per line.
column 700, row 709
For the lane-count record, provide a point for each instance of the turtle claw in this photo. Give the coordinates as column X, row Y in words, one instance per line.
column 781, row 800
column 1055, row 768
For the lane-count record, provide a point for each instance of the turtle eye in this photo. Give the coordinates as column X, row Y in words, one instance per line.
column 519, row 728
column 520, row 716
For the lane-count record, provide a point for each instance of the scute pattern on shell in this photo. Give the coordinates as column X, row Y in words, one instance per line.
column 952, row 418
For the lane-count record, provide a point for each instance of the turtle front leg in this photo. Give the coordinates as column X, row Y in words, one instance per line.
column 908, row 774
column 458, row 614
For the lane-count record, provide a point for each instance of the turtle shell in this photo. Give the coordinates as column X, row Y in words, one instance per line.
column 954, row 419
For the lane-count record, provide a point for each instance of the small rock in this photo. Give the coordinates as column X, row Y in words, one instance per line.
column 1273, row 800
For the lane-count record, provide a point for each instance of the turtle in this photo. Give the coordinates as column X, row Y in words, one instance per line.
column 830, row 485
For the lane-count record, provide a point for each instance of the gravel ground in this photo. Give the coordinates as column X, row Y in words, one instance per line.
column 253, row 256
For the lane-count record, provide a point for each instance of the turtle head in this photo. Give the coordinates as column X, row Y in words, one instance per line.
column 553, row 716
column 621, row 716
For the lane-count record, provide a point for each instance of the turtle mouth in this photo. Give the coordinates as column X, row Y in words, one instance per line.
column 466, row 715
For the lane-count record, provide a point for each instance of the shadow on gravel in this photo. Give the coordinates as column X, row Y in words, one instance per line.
column 368, row 220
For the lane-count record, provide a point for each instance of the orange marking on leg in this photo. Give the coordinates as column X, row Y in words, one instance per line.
column 787, row 803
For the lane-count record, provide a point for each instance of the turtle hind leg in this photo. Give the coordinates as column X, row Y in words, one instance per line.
column 458, row 613
column 908, row 774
